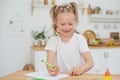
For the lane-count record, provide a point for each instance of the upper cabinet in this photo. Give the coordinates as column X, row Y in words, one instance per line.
column 104, row 18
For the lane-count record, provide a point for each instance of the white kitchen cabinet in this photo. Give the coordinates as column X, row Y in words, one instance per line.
column 38, row 55
column 103, row 59
column 97, row 57
column 106, row 58
column 113, row 60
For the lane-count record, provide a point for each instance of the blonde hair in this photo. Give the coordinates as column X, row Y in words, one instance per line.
column 55, row 10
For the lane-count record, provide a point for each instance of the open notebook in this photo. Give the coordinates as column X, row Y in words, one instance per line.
column 46, row 76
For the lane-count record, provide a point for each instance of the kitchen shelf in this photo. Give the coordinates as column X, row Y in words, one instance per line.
column 104, row 18
column 44, row 6
column 38, row 48
column 37, row 6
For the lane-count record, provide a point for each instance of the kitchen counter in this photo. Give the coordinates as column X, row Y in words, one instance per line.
column 97, row 47
column 91, row 47
column 19, row 75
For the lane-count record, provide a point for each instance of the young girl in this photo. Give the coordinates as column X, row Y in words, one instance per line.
column 67, row 50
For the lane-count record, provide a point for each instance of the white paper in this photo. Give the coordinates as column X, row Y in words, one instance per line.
column 45, row 75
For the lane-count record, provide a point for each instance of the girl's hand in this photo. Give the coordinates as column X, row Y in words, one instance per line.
column 53, row 71
column 75, row 71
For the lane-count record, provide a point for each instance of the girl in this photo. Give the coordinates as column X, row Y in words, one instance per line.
column 67, row 50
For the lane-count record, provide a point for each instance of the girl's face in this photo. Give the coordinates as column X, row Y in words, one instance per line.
column 65, row 24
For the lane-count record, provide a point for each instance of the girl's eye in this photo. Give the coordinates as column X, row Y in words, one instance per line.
column 71, row 24
column 62, row 24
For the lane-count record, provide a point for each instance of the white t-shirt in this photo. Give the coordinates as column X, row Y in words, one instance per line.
column 68, row 54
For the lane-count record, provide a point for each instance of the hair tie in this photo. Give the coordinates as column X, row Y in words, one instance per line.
column 61, row 9
column 67, row 6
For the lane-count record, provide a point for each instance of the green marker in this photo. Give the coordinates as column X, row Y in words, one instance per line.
column 48, row 64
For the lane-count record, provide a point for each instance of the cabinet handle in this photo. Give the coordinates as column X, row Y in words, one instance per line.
column 105, row 55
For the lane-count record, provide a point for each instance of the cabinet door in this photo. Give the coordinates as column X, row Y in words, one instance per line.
column 113, row 60
column 39, row 55
column 106, row 58
column 97, row 56
column 103, row 61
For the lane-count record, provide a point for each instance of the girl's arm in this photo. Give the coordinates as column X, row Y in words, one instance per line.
column 51, row 59
column 85, row 67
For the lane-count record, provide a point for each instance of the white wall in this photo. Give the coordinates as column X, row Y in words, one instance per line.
column 15, row 38
column 15, row 45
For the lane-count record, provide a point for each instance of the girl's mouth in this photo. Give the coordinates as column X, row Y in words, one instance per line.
column 66, row 31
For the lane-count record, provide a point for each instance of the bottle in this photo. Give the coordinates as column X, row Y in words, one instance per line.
column 89, row 9
column 107, row 75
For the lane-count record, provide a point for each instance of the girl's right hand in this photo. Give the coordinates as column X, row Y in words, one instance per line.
column 53, row 71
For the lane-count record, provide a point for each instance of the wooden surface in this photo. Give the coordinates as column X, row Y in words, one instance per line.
column 38, row 48
column 102, row 47
column 91, row 47
column 19, row 75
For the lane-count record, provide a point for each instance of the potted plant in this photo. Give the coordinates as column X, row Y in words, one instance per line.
column 97, row 10
column 36, row 38
column 42, row 38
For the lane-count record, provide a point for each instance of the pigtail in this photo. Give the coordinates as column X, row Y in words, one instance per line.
column 74, row 6
column 52, row 12
column 53, row 16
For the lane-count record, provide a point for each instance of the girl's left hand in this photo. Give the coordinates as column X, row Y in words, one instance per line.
column 75, row 71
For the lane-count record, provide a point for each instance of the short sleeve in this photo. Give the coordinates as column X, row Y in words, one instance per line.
column 83, row 46
column 51, row 44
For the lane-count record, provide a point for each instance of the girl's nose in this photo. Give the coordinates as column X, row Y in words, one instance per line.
column 66, row 27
